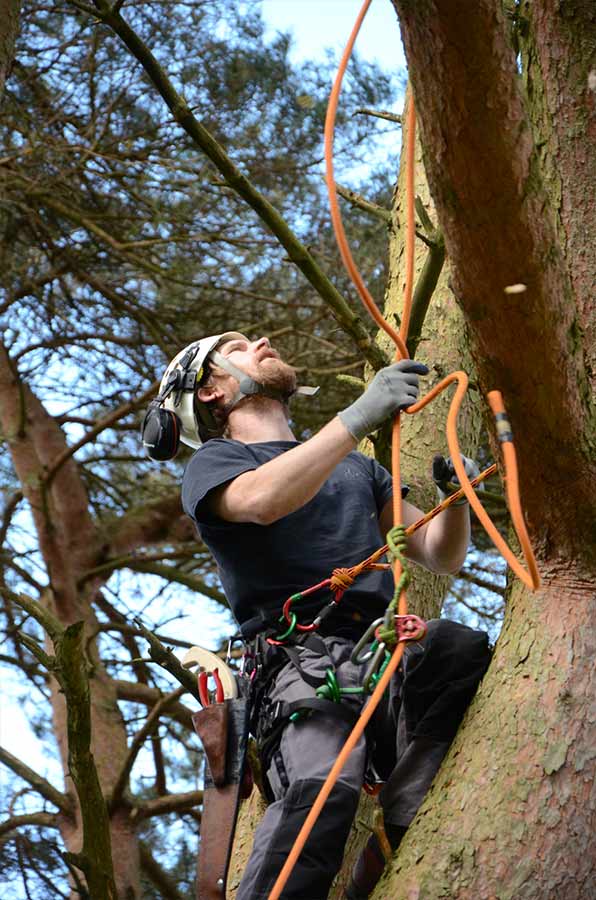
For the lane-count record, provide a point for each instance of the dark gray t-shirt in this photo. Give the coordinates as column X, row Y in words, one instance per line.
column 261, row 566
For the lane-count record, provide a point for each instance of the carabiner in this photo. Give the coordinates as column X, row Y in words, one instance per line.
column 357, row 656
column 375, row 665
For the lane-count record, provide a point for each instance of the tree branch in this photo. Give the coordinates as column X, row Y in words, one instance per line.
column 40, row 613
column 360, row 202
column 101, row 425
column 43, row 787
column 168, row 804
column 41, row 818
column 161, row 879
column 481, row 582
column 155, row 522
column 136, row 692
column 166, row 659
column 377, row 113
column 171, row 573
column 139, row 739
column 95, row 857
column 9, row 509
column 425, row 287
column 203, row 139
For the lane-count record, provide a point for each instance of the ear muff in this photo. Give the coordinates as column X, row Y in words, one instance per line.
column 160, row 432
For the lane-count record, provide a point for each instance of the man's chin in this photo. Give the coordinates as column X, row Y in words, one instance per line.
column 276, row 374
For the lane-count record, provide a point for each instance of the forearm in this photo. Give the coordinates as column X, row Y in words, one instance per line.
column 286, row 483
column 440, row 545
column 446, row 539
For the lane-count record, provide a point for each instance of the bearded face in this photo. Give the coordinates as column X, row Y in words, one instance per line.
column 275, row 373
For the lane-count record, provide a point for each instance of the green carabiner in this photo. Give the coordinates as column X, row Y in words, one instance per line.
column 281, row 637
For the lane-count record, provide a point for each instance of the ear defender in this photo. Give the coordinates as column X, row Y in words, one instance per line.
column 160, row 432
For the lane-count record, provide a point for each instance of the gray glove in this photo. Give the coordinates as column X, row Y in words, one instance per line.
column 447, row 481
column 392, row 388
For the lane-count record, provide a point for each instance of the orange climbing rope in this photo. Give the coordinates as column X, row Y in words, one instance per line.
column 530, row 575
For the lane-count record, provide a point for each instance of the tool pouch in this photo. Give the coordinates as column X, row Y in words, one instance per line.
column 223, row 730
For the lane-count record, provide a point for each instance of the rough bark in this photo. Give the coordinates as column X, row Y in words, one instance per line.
column 520, row 772
column 493, row 205
column 69, row 546
column 442, row 347
column 558, row 52
column 9, row 27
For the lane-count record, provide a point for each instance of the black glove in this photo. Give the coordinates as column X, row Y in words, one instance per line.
column 392, row 388
column 447, row 481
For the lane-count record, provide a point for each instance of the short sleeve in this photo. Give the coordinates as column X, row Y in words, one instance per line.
column 383, row 485
column 213, row 465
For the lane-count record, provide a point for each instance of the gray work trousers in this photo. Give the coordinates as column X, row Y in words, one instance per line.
column 413, row 735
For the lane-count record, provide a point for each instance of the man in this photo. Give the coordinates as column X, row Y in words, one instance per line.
column 279, row 516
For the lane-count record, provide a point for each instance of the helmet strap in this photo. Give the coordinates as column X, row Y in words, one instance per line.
column 247, row 386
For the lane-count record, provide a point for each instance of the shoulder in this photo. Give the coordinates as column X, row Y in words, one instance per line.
column 216, row 462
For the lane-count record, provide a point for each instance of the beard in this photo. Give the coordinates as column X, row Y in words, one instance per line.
column 276, row 374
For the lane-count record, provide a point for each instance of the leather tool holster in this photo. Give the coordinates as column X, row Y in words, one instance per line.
column 223, row 730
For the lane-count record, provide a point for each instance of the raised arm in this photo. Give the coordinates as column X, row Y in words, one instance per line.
column 289, row 481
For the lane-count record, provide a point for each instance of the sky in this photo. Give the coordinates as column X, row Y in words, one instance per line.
column 316, row 25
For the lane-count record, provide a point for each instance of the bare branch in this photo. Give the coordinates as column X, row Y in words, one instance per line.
column 42, row 615
column 136, row 692
column 166, row 659
column 357, row 200
column 139, row 739
column 297, row 252
column 466, row 575
column 167, row 804
column 9, row 509
column 49, row 662
column 100, row 426
column 378, row 113
column 171, row 573
column 95, row 857
column 161, row 879
column 41, row 818
column 43, row 787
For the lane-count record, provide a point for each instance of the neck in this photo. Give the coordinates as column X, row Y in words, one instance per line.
column 259, row 419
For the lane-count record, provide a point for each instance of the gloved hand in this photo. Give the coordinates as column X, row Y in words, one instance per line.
column 392, row 388
column 447, row 481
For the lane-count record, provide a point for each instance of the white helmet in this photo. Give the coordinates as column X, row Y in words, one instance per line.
column 177, row 414
column 182, row 401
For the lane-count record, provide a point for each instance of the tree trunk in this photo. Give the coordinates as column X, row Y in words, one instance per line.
column 69, row 545
column 9, row 28
column 510, row 814
column 442, row 347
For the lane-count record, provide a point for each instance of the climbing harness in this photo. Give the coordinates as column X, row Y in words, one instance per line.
column 386, row 631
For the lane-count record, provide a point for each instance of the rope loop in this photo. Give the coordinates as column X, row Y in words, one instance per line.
column 330, row 690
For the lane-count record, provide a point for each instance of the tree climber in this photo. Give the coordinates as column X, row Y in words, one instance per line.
column 279, row 516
